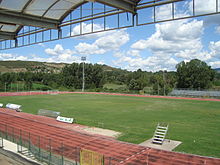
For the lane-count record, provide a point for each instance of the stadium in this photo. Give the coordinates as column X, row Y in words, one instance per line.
column 95, row 128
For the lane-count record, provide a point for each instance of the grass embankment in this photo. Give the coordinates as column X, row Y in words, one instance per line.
column 20, row 86
column 195, row 123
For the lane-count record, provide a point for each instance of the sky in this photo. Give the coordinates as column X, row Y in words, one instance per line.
column 150, row 47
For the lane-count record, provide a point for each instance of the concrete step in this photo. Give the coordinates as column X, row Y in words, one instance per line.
column 161, row 133
column 161, row 130
column 158, row 136
column 157, row 142
column 160, row 127
column 159, row 139
column 28, row 154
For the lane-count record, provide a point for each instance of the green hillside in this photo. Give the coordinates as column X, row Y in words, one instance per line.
column 23, row 66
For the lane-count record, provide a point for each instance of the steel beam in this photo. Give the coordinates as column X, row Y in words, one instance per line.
column 120, row 4
column 154, row 4
column 7, row 35
column 10, row 17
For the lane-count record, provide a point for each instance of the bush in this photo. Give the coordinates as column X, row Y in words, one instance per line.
column 62, row 88
column 141, row 92
column 148, row 90
column 46, row 88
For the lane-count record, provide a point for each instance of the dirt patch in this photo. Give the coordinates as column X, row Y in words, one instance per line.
column 9, row 158
column 100, row 131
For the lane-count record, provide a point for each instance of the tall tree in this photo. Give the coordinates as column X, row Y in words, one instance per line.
column 72, row 76
column 28, row 80
column 194, row 74
column 7, row 79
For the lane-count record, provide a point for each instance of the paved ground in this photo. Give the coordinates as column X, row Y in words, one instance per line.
column 9, row 158
column 167, row 145
column 4, row 160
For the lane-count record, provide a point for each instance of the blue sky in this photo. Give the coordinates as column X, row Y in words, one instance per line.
column 150, row 47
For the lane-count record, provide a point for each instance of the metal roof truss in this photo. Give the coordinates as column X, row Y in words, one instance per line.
column 43, row 27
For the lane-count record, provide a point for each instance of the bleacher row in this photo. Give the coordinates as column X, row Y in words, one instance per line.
column 12, row 106
column 192, row 93
column 41, row 112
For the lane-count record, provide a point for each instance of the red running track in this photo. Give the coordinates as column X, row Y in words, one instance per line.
column 101, row 93
column 121, row 152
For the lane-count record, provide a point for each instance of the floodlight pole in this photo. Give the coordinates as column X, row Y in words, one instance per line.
column 83, row 85
column 83, row 59
column 164, row 93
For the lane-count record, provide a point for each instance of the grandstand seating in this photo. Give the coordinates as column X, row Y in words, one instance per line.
column 13, row 106
column 48, row 113
column 196, row 93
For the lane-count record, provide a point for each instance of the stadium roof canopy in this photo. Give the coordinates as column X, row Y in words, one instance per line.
column 49, row 14
column 27, row 22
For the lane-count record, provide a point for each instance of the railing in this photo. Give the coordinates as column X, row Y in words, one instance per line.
column 41, row 148
column 44, row 149
column 197, row 93
column 54, row 152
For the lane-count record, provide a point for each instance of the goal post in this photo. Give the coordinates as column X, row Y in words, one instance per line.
column 88, row 157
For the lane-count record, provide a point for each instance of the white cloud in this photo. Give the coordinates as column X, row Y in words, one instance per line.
column 171, row 43
column 218, row 29
column 214, row 64
column 59, row 54
column 50, row 51
column 101, row 62
column 84, row 48
column 58, row 49
column 104, row 41
column 151, row 63
column 133, row 52
column 180, row 39
column 215, row 49
column 11, row 57
column 118, row 54
column 140, row 45
column 86, row 28
column 114, row 40
column 163, row 12
column 203, row 6
column 5, row 55
column 63, row 57
column 41, row 44
column 172, row 36
column 22, row 58
column 89, row 28
column 109, row 42
column 206, row 7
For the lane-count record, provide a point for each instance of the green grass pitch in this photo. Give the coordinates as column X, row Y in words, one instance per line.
column 195, row 123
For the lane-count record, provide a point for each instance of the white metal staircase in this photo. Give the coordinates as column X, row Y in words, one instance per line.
column 160, row 133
